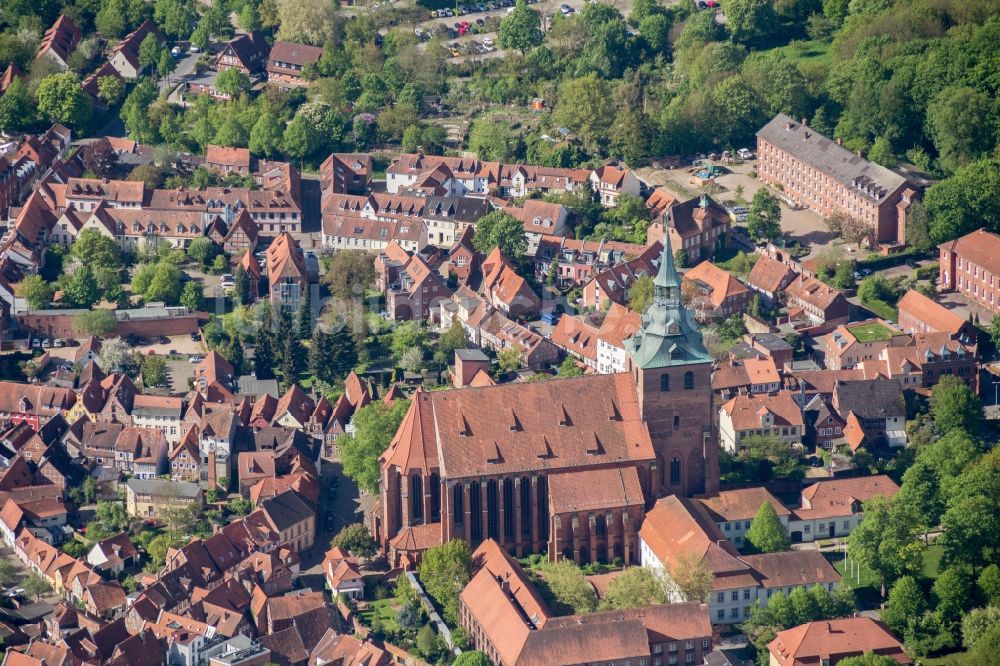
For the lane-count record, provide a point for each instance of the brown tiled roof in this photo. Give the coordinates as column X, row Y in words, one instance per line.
column 828, row 499
column 620, row 324
column 595, row 489
column 812, row 291
column 132, row 192
column 768, row 274
column 722, row 284
column 835, row 639
column 617, row 280
column 296, row 54
column 679, row 527
column 502, row 281
column 9, row 74
column 740, row 504
column 234, row 157
column 106, row 596
column 417, row 538
column 346, row 650
column 129, row 46
column 762, row 370
column 61, row 38
column 981, row 247
column 576, row 335
column 560, row 423
column 792, row 568
column 746, row 411
column 284, row 261
column 933, row 314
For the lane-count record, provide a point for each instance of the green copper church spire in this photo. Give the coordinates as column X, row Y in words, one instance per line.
column 669, row 335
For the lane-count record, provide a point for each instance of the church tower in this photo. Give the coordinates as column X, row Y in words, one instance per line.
column 672, row 372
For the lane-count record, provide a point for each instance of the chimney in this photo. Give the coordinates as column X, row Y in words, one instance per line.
column 789, row 125
column 858, row 153
column 703, row 204
column 804, row 123
column 840, row 141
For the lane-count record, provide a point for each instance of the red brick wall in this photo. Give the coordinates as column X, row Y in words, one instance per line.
column 61, row 326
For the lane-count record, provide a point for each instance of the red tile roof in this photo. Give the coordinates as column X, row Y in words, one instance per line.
column 722, row 284
column 934, row 315
column 746, row 411
column 740, row 504
column 834, row 640
column 981, row 248
column 834, row 498
column 61, row 38
column 769, row 274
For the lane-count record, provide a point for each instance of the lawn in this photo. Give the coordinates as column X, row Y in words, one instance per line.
column 809, row 51
column 871, row 332
column 953, row 659
column 866, row 592
column 384, row 610
column 931, row 565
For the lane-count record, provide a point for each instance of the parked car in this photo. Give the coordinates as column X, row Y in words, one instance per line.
column 57, row 342
column 195, row 337
column 744, row 154
column 164, row 340
column 194, row 49
column 46, row 343
column 330, row 522
column 176, row 52
column 195, row 359
column 487, row 42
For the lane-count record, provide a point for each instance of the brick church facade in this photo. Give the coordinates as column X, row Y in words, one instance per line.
column 565, row 467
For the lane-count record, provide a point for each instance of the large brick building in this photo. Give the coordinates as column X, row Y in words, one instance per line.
column 820, row 173
column 563, row 466
column 970, row 265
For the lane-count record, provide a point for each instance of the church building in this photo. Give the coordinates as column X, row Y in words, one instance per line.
column 565, row 467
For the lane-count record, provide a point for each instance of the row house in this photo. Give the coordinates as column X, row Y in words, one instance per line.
column 247, row 52
column 577, row 261
column 412, row 288
column 713, row 293
column 461, row 172
column 733, row 511
column 505, row 290
column 612, row 285
column 150, row 498
column 817, row 172
column 507, row 619
column 59, row 41
column 33, row 404
column 814, row 301
column 923, row 362
column 849, row 345
column 834, row 508
column 287, row 61
column 240, row 235
column 741, row 376
column 761, row 415
column 680, row 529
column 824, row 426
column 125, row 56
column 577, row 337
column 768, row 278
column 287, row 276
column 542, row 221
column 446, row 218
column 519, row 180
column 351, row 232
column 874, row 412
column 969, row 267
column 611, row 181
column 139, row 452
column 699, row 226
column 619, row 324
column 495, row 331
column 345, row 173
column 227, row 160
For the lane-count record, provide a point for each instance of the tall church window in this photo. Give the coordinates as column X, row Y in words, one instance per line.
column 458, row 504
column 416, row 498
column 677, row 423
column 688, row 380
column 664, row 382
column 675, row 471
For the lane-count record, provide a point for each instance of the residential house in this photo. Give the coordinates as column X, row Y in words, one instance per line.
column 542, row 220
column 834, row 508
column 336, row 648
column 114, row 554
column 59, row 41
column 611, row 181
column 733, row 511
column 769, row 278
column 148, row 498
column 352, row 232
column 698, row 226
column 34, row 404
column 292, row 518
column 507, row 619
column 577, row 261
column 463, row 260
column 827, row 642
column 612, row 285
column 736, row 376
column 460, row 175
column 920, row 314
column 125, row 56
column 577, row 337
column 772, row 346
column 343, row 575
column 850, row 345
column 286, row 272
column 161, row 412
column 680, row 529
column 412, row 288
column 820, row 173
column 505, row 290
column 227, row 160
column 241, row 236
column 345, row 173
column 286, row 62
column 817, row 302
column 247, row 52
column 968, row 265
column 447, row 217
column 185, row 459
column 745, row 416
column 713, row 293
column 519, row 180
column 619, row 324
column 874, row 411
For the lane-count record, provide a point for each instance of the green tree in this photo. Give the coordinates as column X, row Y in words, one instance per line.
column 951, row 595
column 191, row 296
column 446, row 344
column 970, row 520
column 427, row 642
column 764, row 219
column 35, row 586
column 766, row 533
column 641, row 294
column 154, row 371
column 521, row 29
column 266, row 136
column 306, row 21
column 99, row 323
column 989, row 584
column 149, row 51
column 472, row 658
column 233, row 81
column 375, row 425
column 249, row 17
column 881, row 153
column 503, row 230
column 693, row 577
column 959, row 119
column 95, row 249
column 584, row 105
column 8, row 573
column 749, row 20
column 36, row 291
column 62, row 100
column 110, row 89
column 80, row 288
column 263, row 350
column 16, row 110
column 175, row 17
column 905, row 606
column 349, row 274
column 202, row 250
column 231, row 133
column 356, row 540
column 407, row 335
column 955, row 406
column 868, row 659
column 964, row 202
column 885, row 541
column 567, row 589
column 165, row 64
column 509, row 360
column 444, row 571
column 301, row 137
column 636, row 587
column 918, row 227
column 976, row 623
column 493, row 140
column 569, row 368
